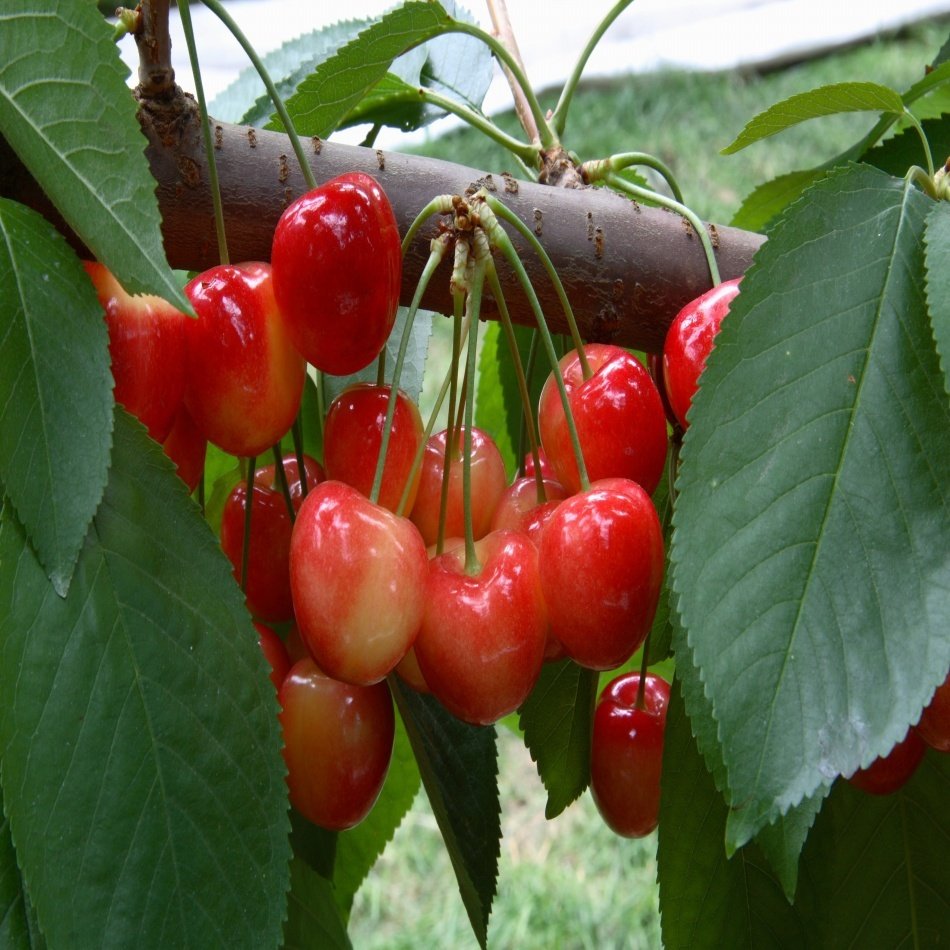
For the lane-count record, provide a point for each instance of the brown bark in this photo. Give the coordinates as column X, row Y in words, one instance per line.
column 627, row 268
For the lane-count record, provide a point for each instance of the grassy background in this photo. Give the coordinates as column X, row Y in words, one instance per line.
column 571, row 883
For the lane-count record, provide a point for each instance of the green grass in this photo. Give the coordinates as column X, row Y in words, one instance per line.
column 571, row 883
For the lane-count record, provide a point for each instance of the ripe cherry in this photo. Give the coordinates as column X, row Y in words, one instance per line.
column 337, row 265
column 627, row 753
column 689, row 342
column 619, row 417
column 186, row 446
column 245, row 379
column 267, row 587
column 934, row 725
column 275, row 652
column 887, row 773
column 338, row 743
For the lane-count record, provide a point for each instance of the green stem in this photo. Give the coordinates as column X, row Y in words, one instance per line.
column 282, row 482
column 494, row 284
column 635, row 191
column 644, row 668
column 919, row 177
column 248, row 508
column 496, row 207
column 915, row 122
column 522, row 150
column 501, row 240
column 218, row 10
column 184, row 12
column 439, row 247
column 297, row 432
column 522, row 430
column 545, row 132
column 442, row 204
column 601, row 169
column 559, row 116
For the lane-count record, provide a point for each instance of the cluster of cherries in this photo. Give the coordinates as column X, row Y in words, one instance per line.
column 379, row 570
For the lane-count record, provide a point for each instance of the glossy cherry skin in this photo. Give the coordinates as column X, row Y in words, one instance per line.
column 358, row 575
column 518, row 509
column 351, row 440
column 147, row 347
column 481, row 644
column 267, row 590
column 245, row 379
column 338, row 743
column 618, row 414
column 627, row 753
column 601, row 557
column 890, row 772
column 547, row 469
column 488, row 483
column 689, row 342
column 275, row 652
column 934, row 725
column 186, row 446
column 337, row 265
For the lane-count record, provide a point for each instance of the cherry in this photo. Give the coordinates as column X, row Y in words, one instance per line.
column 337, row 265
column 352, row 436
column 267, row 587
column 483, row 634
column 275, row 652
column 147, row 347
column 547, row 469
column 338, row 743
column 601, row 557
column 627, row 753
column 619, row 417
column 186, row 447
column 934, row 725
column 888, row 773
column 518, row 509
column 245, row 379
column 488, row 483
column 358, row 576
column 689, row 342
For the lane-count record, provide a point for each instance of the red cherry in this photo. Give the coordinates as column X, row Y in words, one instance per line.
column 358, row 575
column 338, row 743
column 518, row 509
column 245, row 379
column 627, row 753
column 601, row 557
column 482, row 639
column 275, row 653
column 267, row 589
column 934, row 725
column 409, row 672
column 547, row 469
column 337, row 265
column 689, row 342
column 352, row 436
column 618, row 414
column 186, row 446
column 488, row 483
column 890, row 772
column 147, row 347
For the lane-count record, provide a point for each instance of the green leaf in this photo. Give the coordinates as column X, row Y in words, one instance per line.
column 313, row 917
column 557, row 719
column 661, row 632
column 18, row 927
column 55, row 389
column 813, row 493
column 938, row 283
column 896, row 154
column 139, row 739
column 360, row 847
column 325, row 97
column 825, row 100
column 413, row 370
column 459, row 768
column 67, row 112
column 705, row 899
column 876, row 866
column 767, row 200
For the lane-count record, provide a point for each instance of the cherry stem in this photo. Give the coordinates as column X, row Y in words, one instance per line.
column 644, row 666
column 635, row 191
column 218, row 10
column 442, row 204
column 919, row 129
column 248, row 508
column 214, row 185
column 501, row 240
column 501, row 24
column 459, row 298
column 433, row 415
column 282, row 482
column 437, row 252
column 522, row 431
column 297, row 432
column 482, row 260
column 527, row 414
column 502, row 211
column 600, row 170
